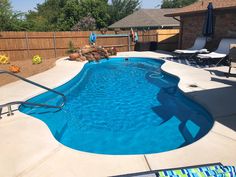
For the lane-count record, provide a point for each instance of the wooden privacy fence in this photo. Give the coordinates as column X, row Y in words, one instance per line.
column 168, row 39
column 24, row 45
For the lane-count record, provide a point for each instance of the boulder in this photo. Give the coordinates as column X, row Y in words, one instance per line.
column 97, row 56
column 88, row 50
column 82, row 58
column 74, row 56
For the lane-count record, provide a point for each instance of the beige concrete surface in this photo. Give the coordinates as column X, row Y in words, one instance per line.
column 212, row 148
column 74, row 163
column 28, row 149
column 24, row 142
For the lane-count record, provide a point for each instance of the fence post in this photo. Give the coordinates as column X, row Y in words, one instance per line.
column 27, row 43
column 149, row 36
column 54, row 44
column 128, row 42
column 157, row 36
column 143, row 35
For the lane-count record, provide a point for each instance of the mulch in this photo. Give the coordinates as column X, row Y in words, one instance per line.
column 26, row 69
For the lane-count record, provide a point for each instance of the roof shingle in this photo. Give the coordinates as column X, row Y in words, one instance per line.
column 146, row 18
column 201, row 6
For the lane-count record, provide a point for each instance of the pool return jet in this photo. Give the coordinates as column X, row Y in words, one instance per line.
column 9, row 104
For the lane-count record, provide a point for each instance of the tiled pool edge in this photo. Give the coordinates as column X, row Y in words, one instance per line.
column 111, row 165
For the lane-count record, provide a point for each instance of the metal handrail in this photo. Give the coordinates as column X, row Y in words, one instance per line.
column 28, row 103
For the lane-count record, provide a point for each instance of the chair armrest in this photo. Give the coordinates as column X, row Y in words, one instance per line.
column 232, row 55
column 203, row 51
column 232, row 51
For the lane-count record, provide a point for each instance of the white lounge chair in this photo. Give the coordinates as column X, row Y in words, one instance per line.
column 221, row 52
column 198, row 45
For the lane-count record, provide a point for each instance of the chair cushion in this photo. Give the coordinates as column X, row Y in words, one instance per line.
column 186, row 51
column 212, row 55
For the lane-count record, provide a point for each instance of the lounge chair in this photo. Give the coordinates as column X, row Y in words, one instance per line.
column 220, row 53
column 232, row 58
column 194, row 171
column 197, row 47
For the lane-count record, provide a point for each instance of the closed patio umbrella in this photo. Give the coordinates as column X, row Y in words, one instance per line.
column 208, row 28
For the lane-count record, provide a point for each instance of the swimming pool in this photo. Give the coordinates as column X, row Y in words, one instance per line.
column 123, row 107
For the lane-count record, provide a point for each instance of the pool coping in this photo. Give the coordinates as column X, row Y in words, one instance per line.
column 36, row 155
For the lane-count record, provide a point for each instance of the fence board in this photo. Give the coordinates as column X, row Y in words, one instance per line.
column 167, row 39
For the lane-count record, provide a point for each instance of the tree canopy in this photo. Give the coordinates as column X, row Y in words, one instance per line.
column 87, row 23
column 119, row 9
column 54, row 15
column 98, row 9
column 9, row 20
column 176, row 3
column 66, row 15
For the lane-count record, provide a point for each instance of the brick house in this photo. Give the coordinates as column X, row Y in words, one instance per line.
column 192, row 19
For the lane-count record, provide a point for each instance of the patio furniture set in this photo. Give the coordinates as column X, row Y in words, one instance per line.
column 225, row 50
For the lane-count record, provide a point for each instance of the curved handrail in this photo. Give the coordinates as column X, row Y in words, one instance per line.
column 38, row 85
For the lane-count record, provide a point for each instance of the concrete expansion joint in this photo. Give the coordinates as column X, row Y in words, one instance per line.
column 148, row 165
column 39, row 162
column 230, row 138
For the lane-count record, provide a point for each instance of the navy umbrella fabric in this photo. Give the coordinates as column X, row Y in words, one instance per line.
column 208, row 28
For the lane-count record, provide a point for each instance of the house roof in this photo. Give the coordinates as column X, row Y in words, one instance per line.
column 201, row 6
column 147, row 18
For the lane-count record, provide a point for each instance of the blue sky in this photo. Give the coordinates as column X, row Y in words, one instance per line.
column 24, row 6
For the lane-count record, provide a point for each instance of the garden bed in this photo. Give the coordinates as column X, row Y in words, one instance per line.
column 26, row 69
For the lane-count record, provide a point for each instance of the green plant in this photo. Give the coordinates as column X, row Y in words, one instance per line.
column 176, row 3
column 71, row 48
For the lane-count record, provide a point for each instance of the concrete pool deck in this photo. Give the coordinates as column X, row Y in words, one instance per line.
column 28, row 149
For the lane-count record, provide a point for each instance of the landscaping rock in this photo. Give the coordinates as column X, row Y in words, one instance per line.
column 74, row 56
column 92, row 53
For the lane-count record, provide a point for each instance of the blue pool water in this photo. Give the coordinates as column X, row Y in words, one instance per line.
column 123, row 107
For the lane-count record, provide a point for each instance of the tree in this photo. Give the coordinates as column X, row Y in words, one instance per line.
column 86, row 24
column 176, row 3
column 54, row 15
column 98, row 9
column 45, row 17
column 63, row 15
column 119, row 9
column 71, row 15
column 10, row 21
column 6, row 15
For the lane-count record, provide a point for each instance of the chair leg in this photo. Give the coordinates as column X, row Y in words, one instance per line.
column 208, row 61
column 200, row 61
column 192, row 56
column 0, row 113
column 228, row 72
column 179, row 56
column 220, row 61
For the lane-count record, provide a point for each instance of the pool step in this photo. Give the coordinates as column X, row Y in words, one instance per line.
column 189, row 134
